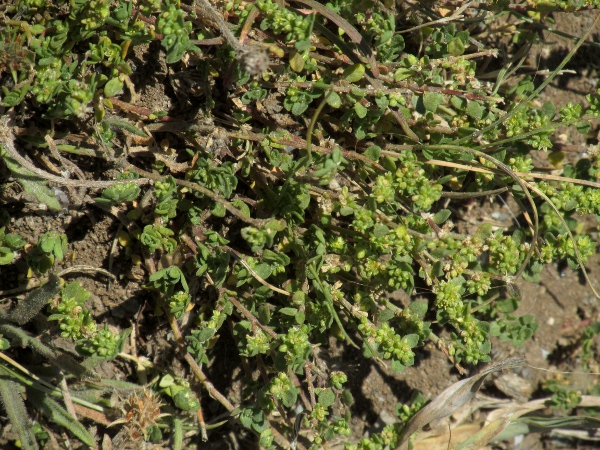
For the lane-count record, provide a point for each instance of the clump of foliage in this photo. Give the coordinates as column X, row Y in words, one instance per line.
column 334, row 183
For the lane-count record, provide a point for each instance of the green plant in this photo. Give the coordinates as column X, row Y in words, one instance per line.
column 564, row 397
column 50, row 247
column 514, row 329
column 166, row 279
column 119, row 193
column 587, row 343
column 73, row 319
column 315, row 184
column 156, row 237
column 10, row 244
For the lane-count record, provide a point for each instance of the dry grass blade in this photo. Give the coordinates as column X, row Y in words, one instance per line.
column 486, row 434
column 518, row 410
column 453, row 398
column 580, row 426
column 435, row 440
column 352, row 33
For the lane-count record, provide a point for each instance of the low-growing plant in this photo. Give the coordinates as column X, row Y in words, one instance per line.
column 355, row 134
column 11, row 243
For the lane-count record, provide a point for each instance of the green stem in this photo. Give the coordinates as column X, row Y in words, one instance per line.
column 311, row 127
column 330, row 306
column 460, row 195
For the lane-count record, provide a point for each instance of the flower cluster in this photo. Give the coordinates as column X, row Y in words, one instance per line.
column 283, row 21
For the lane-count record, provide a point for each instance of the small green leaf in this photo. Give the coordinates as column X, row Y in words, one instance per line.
column 418, row 308
column 347, row 398
column 299, row 108
column 218, row 210
column 296, row 62
column 373, row 152
column 385, row 315
column 475, row 110
column 186, row 400
column 205, row 334
column 456, row 47
column 289, row 398
column 402, row 74
column 288, row 311
column 397, row 366
column 518, row 236
column 120, row 193
column 263, row 270
column 259, row 422
column 458, row 102
column 124, row 125
column 31, row 183
column 441, row 216
column 360, row 110
column 153, row 434
column 380, row 230
column 346, row 211
column 7, row 256
column 302, row 45
column 334, row 100
column 382, row 102
column 14, row 241
column 166, row 381
column 41, row 192
column 242, row 206
column 276, row 225
column 583, row 127
column 548, row 110
column 411, row 339
column 113, row 87
column 431, row 100
column 37, row 29
column 245, row 417
column 484, row 231
column 354, row 73
column 571, row 204
column 326, row 397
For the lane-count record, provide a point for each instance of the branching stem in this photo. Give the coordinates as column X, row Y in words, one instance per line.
column 7, row 141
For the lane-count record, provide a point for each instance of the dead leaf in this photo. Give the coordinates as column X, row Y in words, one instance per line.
column 448, row 439
column 486, row 434
column 453, row 398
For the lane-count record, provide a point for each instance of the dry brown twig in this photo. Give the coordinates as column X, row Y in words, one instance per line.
column 7, row 141
column 253, row 58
